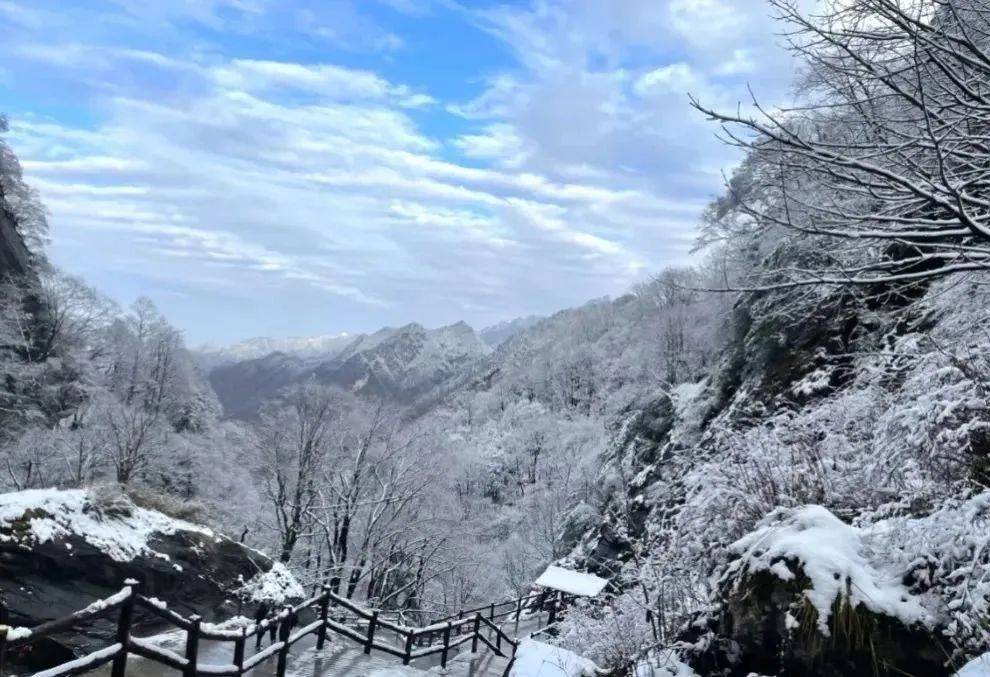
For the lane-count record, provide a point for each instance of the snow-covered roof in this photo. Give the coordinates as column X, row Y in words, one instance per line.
column 573, row 582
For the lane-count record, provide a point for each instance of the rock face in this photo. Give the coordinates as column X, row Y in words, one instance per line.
column 767, row 627
column 14, row 256
column 62, row 550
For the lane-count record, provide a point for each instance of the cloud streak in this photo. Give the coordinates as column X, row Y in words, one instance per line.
column 301, row 183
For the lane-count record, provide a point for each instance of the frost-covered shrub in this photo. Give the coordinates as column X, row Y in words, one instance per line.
column 613, row 635
column 946, row 557
column 108, row 501
column 272, row 587
column 189, row 510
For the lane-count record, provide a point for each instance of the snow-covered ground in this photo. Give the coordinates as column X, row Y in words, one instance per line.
column 536, row 659
column 978, row 667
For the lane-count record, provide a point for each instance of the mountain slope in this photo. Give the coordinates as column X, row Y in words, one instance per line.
column 396, row 364
column 872, row 409
column 327, row 345
column 497, row 334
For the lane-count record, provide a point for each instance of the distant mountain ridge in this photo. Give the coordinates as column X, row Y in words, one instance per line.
column 393, row 363
column 497, row 334
column 211, row 355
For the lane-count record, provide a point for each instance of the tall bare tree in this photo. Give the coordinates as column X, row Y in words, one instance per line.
column 294, row 438
column 884, row 164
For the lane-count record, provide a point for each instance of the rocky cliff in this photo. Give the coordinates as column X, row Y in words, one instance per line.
column 15, row 260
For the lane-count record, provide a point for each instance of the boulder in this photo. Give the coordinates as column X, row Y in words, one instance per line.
column 799, row 597
column 62, row 550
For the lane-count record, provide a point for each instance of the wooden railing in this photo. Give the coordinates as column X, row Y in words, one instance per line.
column 365, row 627
column 542, row 601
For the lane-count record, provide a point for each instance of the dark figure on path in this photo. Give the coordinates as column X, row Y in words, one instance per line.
column 260, row 615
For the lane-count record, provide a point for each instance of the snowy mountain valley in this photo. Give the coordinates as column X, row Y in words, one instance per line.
column 778, row 457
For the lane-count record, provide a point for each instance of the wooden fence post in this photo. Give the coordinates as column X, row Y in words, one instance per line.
column 371, row 632
column 321, row 634
column 477, row 629
column 4, row 628
column 239, row 651
column 518, row 608
column 653, row 624
column 192, row 646
column 446, row 645
column 491, row 612
column 409, row 645
column 284, row 630
column 3, row 648
column 124, row 620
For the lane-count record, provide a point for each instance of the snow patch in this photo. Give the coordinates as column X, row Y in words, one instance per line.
column 536, row 659
column 978, row 667
column 37, row 516
column 665, row 663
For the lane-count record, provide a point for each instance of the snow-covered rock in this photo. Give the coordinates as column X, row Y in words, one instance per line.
column 812, row 542
column 273, row 586
column 805, row 593
column 117, row 528
column 62, row 549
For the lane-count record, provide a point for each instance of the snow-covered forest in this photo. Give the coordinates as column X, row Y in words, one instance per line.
column 778, row 457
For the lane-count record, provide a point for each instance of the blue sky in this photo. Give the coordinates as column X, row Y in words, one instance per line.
column 282, row 168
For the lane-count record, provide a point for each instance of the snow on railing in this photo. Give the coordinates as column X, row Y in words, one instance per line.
column 470, row 625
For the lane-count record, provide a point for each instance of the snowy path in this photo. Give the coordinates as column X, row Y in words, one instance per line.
column 343, row 657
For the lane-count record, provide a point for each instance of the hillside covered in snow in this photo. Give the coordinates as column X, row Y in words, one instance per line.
column 774, row 461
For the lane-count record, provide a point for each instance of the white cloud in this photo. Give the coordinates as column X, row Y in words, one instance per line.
column 708, row 22
column 324, row 79
column 92, row 164
column 21, row 15
column 674, row 78
column 739, row 63
column 306, row 188
column 342, row 196
column 498, row 142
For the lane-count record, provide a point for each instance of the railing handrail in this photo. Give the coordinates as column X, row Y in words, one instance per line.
column 128, row 598
column 17, row 636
